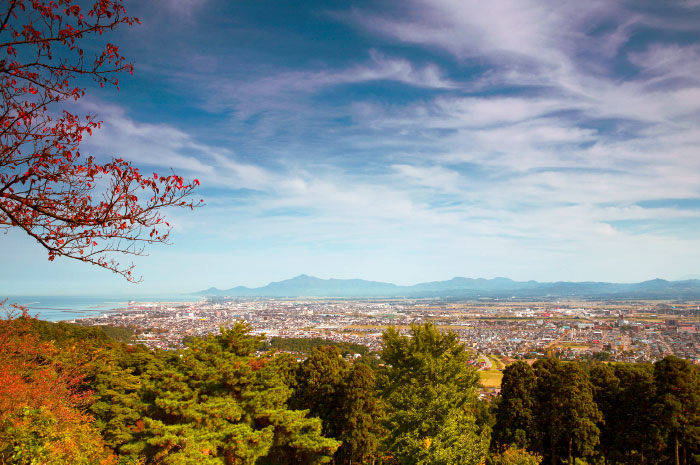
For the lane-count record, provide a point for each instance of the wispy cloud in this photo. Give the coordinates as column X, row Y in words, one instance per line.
column 164, row 146
column 434, row 138
column 379, row 68
column 288, row 89
column 182, row 8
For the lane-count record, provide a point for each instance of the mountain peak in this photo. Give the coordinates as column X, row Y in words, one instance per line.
column 302, row 278
column 463, row 288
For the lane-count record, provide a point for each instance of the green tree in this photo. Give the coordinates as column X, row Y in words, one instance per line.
column 286, row 366
column 216, row 403
column 362, row 413
column 567, row 415
column 344, row 398
column 118, row 379
column 624, row 394
column 319, row 388
column 430, row 394
column 677, row 405
column 514, row 415
column 638, row 438
column 606, row 393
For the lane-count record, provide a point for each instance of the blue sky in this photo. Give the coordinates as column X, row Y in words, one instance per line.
column 405, row 141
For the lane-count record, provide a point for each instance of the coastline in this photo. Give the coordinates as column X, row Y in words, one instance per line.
column 68, row 308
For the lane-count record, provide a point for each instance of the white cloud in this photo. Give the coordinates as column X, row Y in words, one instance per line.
column 543, row 175
column 164, row 147
column 288, row 89
column 182, row 8
column 435, row 177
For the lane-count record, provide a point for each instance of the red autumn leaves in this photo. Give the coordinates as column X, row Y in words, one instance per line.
column 73, row 205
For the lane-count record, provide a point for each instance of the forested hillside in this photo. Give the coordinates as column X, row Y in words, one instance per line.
column 75, row 395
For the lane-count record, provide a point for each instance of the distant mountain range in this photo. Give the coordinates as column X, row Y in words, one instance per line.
column 465, row 288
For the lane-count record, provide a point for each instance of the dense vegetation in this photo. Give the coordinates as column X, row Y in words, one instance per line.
column 306, row 345
column 70, row 394
column 609, row 413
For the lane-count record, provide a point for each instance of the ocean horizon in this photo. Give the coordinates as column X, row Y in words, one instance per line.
column 71, row 307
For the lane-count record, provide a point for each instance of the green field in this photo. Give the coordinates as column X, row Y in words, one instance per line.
column 497, row 362
column 490, row 378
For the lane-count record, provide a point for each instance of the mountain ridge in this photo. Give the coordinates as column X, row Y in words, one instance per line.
column 461, row 287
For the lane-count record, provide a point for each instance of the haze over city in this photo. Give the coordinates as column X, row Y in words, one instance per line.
column 403, row 142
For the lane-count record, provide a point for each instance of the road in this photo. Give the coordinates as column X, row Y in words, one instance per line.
column 486, row 360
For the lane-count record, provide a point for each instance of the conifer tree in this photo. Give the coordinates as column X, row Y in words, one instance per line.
column 319, row 388
column 606, row 393
column 638, row 438
column 567, row 415
column 624, row 394
column 344, row 397
column 216, row 403
column 430, row 395
column 677, row 405
column 362, row 413
column 514, row 415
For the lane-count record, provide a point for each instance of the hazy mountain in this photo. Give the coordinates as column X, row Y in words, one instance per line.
column 309, row 286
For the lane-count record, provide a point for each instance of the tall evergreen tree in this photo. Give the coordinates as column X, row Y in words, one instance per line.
column 345, row 398
column 362, row 413
column 514, row 415
column 678, row 405
column 320, row 383
column 606, row 393
column 567, row 415
column 430, row 392
column 638, row 440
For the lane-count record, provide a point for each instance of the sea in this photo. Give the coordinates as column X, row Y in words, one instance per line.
column 66, row 308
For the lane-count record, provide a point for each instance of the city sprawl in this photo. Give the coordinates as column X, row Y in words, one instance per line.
column 630, row 331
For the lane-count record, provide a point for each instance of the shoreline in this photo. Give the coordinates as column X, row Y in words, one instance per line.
column 71, row 308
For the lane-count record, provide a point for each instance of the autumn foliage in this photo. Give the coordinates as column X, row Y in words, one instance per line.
column 43, row 400
column 71, row 204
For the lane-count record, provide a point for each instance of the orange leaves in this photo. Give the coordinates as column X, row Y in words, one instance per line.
column 139, row 426
column 42, row 395
column 31, row 376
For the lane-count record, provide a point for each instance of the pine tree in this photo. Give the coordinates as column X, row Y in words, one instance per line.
column 606, row 393
column 430, row 393
column 320, row 383
column 362, row 413
column 677, row 405
column 514, row 414
column 216, row 403
column 638, row 439
column 567, row 415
